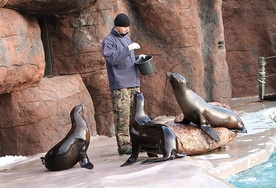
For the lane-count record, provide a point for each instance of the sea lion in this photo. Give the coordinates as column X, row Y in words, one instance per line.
column 149, row 137
column 73, row 147
column 196, row 110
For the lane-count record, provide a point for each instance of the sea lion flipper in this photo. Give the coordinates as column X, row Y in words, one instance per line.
column 168, row 155
column 211, row 132
column 84, row 160
column 85, row 163
column 155, row 160
column 88, row 165
column 242, row 130
column 132, row 159
column 180, row 155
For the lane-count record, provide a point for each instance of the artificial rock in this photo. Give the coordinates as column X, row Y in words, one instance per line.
column 48, row 7
column 35, row 119
column 22, row 55
column 181, row 38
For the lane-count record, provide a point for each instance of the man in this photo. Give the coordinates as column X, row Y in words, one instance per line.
column 123, row 77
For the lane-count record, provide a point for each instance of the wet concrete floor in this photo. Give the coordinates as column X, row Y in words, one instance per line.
column 206, row 170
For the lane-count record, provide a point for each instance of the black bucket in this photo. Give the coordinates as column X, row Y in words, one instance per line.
column 145, row 65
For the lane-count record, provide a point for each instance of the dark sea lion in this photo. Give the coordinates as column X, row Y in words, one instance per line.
column 149, row 137
column 196, row 110
column 73, row 147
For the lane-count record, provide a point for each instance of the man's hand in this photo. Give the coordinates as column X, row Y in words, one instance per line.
column 134, row 46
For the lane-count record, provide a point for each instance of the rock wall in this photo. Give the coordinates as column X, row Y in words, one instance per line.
column 34, row 110
column 184, row 37
column 22, row 56
column 250, row 32
column 33, row 120
column 48, row 7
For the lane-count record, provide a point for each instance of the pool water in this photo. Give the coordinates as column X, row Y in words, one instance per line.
column 260, row 176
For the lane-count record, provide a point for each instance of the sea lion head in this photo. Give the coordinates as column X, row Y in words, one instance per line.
column 176, row 79
column 77, row 114
column 138, row 113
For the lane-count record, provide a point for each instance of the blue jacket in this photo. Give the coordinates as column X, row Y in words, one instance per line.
column 120, row 61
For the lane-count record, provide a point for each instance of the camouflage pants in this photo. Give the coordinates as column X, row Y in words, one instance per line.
column 122, row 102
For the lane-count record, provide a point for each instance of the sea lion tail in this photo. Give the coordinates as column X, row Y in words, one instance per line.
column 211, row 132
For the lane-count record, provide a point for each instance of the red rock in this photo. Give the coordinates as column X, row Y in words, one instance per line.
column 180, row 37
column 249, row 32
column 193, row 141
column 3, row 2
column 38, row 7
column 22, row 56
column 33, row 120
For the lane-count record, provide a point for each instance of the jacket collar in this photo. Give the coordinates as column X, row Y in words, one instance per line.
column 114, row 32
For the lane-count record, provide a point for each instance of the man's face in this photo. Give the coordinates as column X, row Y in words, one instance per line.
column 122, row 30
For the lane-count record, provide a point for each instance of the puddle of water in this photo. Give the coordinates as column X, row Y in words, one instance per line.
column 259, row 121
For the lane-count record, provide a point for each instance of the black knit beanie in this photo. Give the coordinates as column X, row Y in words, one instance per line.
column 122, row 20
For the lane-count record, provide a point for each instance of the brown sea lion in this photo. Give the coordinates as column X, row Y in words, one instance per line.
column 197, row 111
column 73, row 147
column 149, row 137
